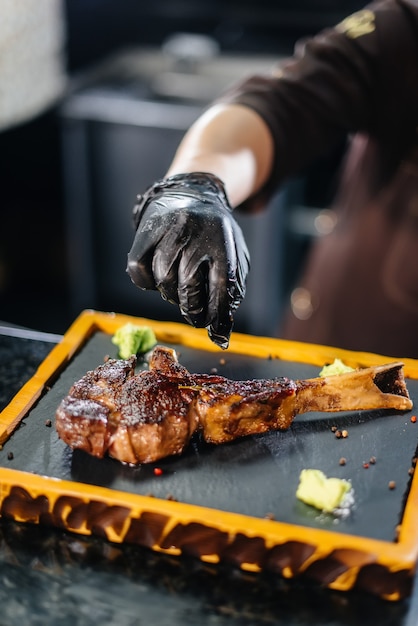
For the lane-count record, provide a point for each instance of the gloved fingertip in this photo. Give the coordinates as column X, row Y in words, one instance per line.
column 132, row 262
column 196, row 320
column 220, row 339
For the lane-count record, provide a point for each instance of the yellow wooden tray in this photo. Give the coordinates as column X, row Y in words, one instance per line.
column 226, row 493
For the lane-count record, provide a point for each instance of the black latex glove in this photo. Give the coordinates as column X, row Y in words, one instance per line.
column 189, row 247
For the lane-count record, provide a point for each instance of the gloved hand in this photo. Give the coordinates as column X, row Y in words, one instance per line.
column 190, row 248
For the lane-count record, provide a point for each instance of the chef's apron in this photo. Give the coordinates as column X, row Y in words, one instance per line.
column 360, row 284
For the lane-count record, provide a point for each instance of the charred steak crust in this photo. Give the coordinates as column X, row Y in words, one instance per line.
column 88, row 416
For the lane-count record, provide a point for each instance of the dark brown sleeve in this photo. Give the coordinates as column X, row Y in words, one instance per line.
column 361, row 75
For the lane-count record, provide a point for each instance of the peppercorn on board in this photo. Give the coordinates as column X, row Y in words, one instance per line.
column 234, row 503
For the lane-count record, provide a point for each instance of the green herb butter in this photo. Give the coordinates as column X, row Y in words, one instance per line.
column 132, row 339
column 335, row 368
column 326, row 494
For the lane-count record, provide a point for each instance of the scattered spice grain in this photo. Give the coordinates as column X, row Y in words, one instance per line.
column 158, row 471
column 10, row 456
column 372, row 460
column 343, row 461
column 413, row 419
column 366, row 465
column 392, row 484
column 48, row 423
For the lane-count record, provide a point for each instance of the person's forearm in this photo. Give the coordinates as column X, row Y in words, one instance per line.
column 234, row 143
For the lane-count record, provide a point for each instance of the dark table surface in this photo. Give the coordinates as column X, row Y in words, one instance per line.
column 49, row 576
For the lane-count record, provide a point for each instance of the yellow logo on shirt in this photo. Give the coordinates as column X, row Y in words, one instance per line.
column 358, row 24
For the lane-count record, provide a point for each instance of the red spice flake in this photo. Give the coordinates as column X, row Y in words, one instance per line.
column 413, row 418
column 158, row 471
column 366, row 465
column 392, row 484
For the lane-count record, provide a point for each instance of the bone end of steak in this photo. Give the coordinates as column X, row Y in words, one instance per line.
column 379, row 387
column 165, row 360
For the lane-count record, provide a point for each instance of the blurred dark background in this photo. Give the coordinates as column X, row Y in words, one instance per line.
column 55, row 240
column 96, row 27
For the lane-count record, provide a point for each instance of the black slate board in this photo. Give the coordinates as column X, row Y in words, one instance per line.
column 255, row 476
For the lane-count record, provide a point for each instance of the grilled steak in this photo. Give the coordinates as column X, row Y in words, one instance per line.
column 142, row 417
